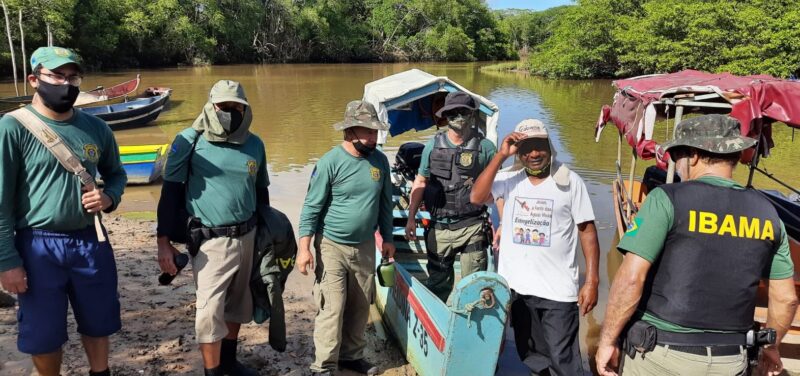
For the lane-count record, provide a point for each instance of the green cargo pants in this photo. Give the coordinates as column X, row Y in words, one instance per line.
column 344, row 288
column 443, row 245
column 665, row 361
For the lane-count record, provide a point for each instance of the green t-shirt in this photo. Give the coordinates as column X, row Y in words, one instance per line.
column 224, row 178
column 653, row 222
column 348, row 197
column 488, row 150
column 37, row 192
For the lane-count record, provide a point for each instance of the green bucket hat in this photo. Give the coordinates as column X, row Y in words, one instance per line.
column 227, row 91
column 713, row 133
column 54, row 57
column 360, row 114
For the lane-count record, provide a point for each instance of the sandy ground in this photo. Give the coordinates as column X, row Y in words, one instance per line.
column 157, row 336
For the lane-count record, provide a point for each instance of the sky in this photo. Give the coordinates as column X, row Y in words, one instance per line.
column 526, row 4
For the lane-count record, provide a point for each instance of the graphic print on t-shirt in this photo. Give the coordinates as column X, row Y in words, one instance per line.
column 532, row 218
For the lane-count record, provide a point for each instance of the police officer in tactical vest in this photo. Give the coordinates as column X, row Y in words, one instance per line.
column 685, row 294
column 451, row 161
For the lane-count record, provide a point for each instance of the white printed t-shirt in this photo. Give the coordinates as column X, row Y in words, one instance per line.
column 539, row 239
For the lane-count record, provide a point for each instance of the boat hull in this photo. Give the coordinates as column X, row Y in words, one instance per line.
column 440, row 340
column 135, row 113
column 143, row 164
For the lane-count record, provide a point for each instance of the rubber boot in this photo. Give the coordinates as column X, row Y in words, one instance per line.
column 228, row 363
column 107, row 372
column 216, row 371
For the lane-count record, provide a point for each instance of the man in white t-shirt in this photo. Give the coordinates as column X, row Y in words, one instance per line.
column 545, row 210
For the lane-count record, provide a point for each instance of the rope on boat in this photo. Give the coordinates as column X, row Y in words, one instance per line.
column 485, row 301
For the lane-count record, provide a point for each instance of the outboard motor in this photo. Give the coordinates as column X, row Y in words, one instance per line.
column 408, row 159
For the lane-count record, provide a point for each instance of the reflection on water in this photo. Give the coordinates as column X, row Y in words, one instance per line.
column 294, row 107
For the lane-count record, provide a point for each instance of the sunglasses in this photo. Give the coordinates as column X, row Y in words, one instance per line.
column 452, row 114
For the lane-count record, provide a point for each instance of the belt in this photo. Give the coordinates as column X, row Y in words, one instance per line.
column 724, row 350
column 233, row 231
column 461, row 223
column 700, row 339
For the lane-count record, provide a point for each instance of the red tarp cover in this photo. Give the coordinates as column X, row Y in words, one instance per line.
column 765, row 99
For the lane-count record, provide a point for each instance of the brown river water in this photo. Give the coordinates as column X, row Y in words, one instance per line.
column 294, row 107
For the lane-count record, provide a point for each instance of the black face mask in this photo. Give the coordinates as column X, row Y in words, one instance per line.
column 361, row 148
column 230, row 120
column 58, row 98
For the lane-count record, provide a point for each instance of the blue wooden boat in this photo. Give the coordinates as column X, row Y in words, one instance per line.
column 464, row 336
column 134, row 113
column 143, row 164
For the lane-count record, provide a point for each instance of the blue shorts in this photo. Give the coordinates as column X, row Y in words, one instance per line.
column 65, row 266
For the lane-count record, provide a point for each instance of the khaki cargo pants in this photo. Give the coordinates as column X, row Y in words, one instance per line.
column 664, row 361
column 344, row 289
column 221, row 271
column 443, row 245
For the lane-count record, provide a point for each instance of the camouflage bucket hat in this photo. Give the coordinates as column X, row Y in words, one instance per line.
column 713, row 133
column 361, row 114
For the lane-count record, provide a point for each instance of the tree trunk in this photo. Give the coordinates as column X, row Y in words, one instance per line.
column 49, row 36
column 24, row 55
column 10, row 46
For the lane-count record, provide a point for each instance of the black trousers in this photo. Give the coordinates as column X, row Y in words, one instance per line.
column 546, row 333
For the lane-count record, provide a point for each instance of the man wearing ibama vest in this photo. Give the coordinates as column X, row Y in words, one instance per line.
column 685, row 294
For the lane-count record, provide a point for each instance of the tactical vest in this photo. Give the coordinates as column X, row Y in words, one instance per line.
column 453, row 172
column 720, row 245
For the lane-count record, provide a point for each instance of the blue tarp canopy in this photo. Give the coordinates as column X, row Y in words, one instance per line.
column 406, row 100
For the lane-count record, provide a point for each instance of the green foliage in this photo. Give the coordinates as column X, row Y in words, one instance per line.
column 593, row 38
column 600, row 38
column 528, row 29
column 124, row 33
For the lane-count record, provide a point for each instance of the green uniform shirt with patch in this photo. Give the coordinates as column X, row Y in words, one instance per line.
column 654, row 220
column 37, row 192
column 348, row 197
column 224, row 177
column 488, row 150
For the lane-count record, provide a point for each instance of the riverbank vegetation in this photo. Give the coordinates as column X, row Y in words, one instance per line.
column 125, row 33
column 620, row 38
column 591, row 38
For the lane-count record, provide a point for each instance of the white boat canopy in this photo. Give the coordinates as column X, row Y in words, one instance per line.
column 405, row 101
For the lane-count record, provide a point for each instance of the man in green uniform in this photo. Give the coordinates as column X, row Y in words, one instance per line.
column 451, row 161
column 217, row 169
column 693, row 260
column 49, row 251
column 349, row 195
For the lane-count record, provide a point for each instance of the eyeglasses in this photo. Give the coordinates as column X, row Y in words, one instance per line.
column 463, row 112
column 60, row 79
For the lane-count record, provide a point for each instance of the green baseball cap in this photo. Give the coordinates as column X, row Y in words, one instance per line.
column 228, row 91
column 360, row 114
column 713, row 133
column 54, row 57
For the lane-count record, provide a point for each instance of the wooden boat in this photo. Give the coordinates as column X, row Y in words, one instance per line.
column 464, row 336
column 135, row 113
column 95, row 96
column 143, row 164
column 756, row 101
